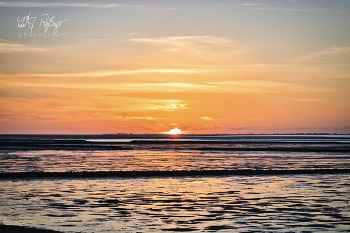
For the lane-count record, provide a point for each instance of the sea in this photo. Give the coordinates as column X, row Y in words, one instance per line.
column 176, row 183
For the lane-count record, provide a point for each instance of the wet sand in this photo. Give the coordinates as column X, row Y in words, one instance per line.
column 179, row 144
column 176, row 157
column 156, row 184
column 20, row 229
column 286, row 203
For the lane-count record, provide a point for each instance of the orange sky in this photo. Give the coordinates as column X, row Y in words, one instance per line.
column 174, row 66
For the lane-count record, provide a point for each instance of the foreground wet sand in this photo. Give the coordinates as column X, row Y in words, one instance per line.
column 19, row 229
column 283, row 203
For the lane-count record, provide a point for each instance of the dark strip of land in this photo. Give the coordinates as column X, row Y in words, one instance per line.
column 178, row 145
column 20, row 229
column 8, row 142
column 175, row 173
column 238, row 149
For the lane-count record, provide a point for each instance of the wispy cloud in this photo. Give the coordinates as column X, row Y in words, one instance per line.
column 150, row 8
column 183, row 41
column 8, row 47
column 76, row 4
column 83, row 104
column 167, row 105
column 148, row 118
column 249, row 86
column 105, row 73
column 289, row 5
column 251, row 4
column 132, row 118
column 194, row 43
column 280, row 9
column 237, row 86
column 206, row 118
column 56, row 4
column 305, row 99
column 331, row 55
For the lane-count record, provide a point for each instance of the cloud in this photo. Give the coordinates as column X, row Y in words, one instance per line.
column 126, row 118
column 148, row 118
column 280, row 9
column 205, row 118
column 56, row 4
column 242, row 127
column 84, row 103
column 131, row 104
column 251, row 4
column 8, row 47
column 14, row 116
column 194, row 43
column 331, row 55
column 143, row 104
column 183, row 41
column 213, row 126
column 201, row 128
column 159, row 125
column 114, row 86
column 169, row 105
column 76, row 4
column 145, row 127
column 249, row 86
column 104, row 73
column 195, row 51
column 305, row 99
column 285, row 6
column 150, row 7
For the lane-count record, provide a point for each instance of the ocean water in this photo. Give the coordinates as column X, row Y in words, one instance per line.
column 236, row 203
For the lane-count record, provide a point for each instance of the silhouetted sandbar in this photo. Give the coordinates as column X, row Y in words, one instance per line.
column 21, row 229
column 175, row 173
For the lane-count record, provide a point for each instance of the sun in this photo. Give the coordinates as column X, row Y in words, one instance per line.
column 175, row 131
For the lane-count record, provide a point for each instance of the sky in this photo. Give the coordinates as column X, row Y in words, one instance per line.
column 239, row 66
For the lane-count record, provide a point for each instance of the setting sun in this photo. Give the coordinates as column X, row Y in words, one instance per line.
column 175, row 131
